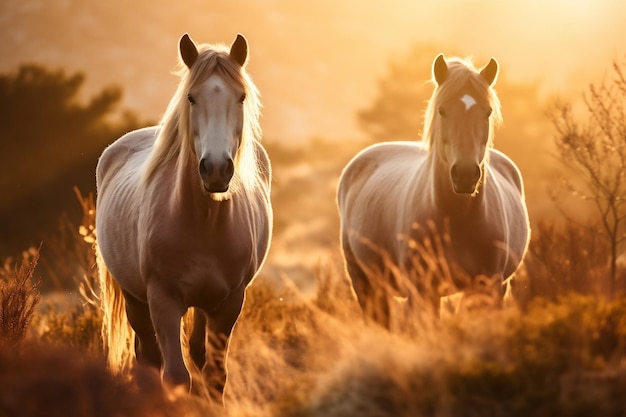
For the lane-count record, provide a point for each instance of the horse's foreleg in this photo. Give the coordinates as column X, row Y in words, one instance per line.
column 221, row 324
column 146, row 347
column 197, row 339
column 166, row 312
column 373, row 300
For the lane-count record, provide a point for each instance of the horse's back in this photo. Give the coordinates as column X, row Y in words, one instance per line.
column 118, row 175
column 378, row 167
column 371, row 192
column 119, row 171
column 119, row 154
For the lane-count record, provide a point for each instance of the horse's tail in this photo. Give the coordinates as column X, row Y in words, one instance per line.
column 117, row 335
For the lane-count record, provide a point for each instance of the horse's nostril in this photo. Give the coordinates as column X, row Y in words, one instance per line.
column 465, row 173
column 229, row 168
column 477, row 172
column 454, row 172
column 205, row 168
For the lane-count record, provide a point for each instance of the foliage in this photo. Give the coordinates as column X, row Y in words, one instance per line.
column 501, row 363
column 18, row 297
column 566, row 258
column 396, row 113
column 51, row 381
column 594, row 151
column 76, row 326
column 51, row 142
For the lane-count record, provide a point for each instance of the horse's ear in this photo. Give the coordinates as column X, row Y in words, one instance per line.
column 188, row 50
column 239, row 50
column 440, row 69
column 490, row 72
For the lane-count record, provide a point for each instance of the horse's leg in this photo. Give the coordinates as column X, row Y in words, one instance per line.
column 146, row 346
column 221, row 323
column 374, row 303
column 166, row 312
column 197, row 339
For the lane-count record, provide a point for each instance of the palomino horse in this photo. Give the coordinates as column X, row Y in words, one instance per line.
column 184, row 219
column 395, row 196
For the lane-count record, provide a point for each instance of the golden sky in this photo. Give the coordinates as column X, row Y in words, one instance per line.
column 316, row 63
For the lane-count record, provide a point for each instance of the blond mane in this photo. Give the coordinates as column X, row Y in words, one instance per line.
column 461, row 73
column 174, row 132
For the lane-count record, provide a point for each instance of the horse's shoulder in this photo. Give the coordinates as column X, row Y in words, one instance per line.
column 507, row 168
column 117, row 154
column 376, row 171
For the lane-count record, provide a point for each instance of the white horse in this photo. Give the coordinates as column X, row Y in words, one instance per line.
column 452, row 188
column 184, row 219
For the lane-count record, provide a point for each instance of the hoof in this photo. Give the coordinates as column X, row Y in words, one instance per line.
column 178, row 381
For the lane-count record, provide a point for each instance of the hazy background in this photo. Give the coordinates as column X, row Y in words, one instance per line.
column 314, row 62
column 318, row 65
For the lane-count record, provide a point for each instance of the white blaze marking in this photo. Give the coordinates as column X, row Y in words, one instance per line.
column 468, row 101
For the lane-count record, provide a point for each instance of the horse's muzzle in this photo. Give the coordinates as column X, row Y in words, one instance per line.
column 465, row 178
column 216, row 188
column 216, row 175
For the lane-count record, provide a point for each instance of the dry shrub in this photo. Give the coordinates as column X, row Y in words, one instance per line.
column 287, row 349
column 76, row 326
column 410, row 298
column 292, row 356
column 70, row 259
column 18, row 297
column 566, row 258
column 48, row 381
column 499, row 364
column 279, row 347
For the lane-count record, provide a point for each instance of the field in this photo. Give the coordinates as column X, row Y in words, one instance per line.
column 306, row 350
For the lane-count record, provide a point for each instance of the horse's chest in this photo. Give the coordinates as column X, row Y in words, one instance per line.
column 476, row 250
column 199, row 260
column 467, row 249
column 186, row 244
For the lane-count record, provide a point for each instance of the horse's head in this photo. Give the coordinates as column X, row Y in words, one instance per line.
column 216, row 98
column 464, row 105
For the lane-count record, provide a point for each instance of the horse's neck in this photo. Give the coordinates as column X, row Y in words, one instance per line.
column 444, row 198
column 188, row 193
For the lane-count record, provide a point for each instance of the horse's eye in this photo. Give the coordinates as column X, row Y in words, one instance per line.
column 190, row 98
column 242, row 98
column 489, row 112
column 442, row 112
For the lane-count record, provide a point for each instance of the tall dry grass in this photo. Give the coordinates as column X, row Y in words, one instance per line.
column 18, row 297
column 316, row 355
column 292, row 356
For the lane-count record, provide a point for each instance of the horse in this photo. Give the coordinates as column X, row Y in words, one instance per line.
column 184, row 221
column 451, row 196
